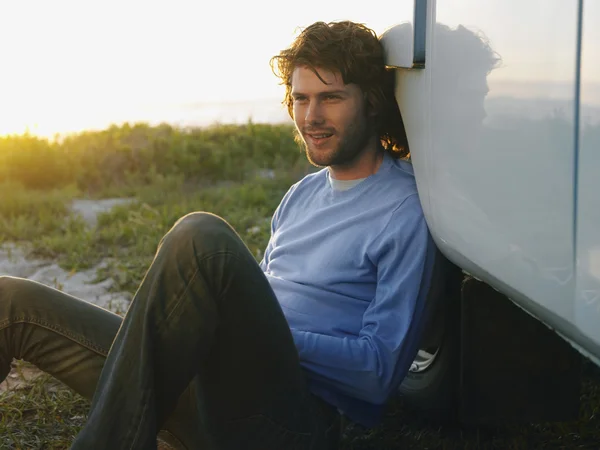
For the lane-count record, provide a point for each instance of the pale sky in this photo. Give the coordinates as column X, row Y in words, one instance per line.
column 67, row 65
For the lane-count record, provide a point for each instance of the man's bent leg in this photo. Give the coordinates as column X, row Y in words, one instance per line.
column 204, row 310
column 60, row 334
column 69, row 339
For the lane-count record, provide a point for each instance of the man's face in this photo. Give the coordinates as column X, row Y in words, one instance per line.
column 331, row 118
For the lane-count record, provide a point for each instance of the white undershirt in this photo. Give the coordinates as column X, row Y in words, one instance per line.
column 343, row 185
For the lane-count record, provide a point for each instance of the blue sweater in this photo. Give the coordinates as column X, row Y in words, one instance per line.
column 350, row 270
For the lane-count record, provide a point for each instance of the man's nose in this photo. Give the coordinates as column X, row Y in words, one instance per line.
column 314, row 114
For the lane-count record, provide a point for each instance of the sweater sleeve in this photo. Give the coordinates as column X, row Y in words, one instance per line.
column 264, row 263
column 371, row 366
column 265, row 259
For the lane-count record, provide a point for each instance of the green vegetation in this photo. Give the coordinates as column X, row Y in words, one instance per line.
column 238, row 172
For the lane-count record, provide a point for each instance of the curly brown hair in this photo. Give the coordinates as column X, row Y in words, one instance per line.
column 356, row 53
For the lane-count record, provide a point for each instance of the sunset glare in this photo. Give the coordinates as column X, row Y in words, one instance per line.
column 73, row 65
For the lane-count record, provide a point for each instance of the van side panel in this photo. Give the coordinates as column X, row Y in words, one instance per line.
column 588, row 223
column 500, row 163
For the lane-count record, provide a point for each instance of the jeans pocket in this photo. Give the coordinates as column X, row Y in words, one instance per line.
column 260, row 432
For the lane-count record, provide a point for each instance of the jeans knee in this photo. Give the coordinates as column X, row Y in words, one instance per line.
column 200, row 223
column 202, row 228
column 9, row 288
column 200, row 220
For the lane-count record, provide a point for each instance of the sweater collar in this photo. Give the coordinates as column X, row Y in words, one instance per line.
column 383, row 167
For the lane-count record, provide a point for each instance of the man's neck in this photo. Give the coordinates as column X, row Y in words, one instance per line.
column 366, row 164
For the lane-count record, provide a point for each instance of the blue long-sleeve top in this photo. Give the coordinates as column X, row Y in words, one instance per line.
column 351, row 269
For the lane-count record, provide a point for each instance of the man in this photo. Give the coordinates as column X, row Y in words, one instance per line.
column 221, row 352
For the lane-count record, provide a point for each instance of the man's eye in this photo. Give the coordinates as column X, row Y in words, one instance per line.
column 332, row 97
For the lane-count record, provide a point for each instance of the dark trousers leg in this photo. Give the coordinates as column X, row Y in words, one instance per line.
column 205, row 313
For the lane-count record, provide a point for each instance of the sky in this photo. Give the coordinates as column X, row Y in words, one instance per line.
column 67, row 65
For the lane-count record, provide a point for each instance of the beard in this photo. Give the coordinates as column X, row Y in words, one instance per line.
column 343, row 149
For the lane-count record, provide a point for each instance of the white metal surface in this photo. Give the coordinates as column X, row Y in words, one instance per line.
column 587, row 307
column 502, row 164
column 492, row 129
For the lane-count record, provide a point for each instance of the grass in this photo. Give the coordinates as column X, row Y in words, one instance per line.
column 46, row 415
column 171, row 172
column 41, row 415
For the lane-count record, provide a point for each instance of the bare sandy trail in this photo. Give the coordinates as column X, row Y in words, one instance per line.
column 80, row 284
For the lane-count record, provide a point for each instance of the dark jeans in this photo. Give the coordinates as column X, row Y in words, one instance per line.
column 204, row 352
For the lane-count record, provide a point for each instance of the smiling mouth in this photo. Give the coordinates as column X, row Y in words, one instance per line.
column 319, row 138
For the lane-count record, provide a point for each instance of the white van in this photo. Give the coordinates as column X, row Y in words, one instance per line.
column 501, row 107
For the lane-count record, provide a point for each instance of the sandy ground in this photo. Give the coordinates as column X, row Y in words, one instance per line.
column 82, row 284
